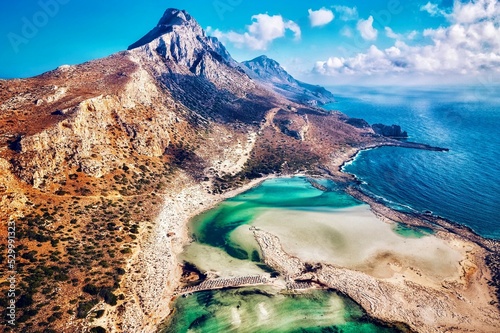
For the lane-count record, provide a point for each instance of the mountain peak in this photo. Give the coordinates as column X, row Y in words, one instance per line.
column 268, row 68
column 265, row 60
column 179, row 38
column 173, row 16
column 172, row 20
column 261, row 58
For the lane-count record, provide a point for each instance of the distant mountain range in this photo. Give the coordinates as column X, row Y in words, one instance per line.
column 269, row 72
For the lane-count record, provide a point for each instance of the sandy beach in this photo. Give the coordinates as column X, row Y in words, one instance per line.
column 154, row 270
column 459, row 306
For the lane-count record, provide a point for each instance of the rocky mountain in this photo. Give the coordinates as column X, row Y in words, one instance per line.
column 269, row 72
column 198, row 70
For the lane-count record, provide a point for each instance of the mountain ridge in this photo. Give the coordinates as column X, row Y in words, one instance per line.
column 199, row 71
column 269, row 72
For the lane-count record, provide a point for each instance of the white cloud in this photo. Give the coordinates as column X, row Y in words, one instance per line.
column 391, row 34
column 432, row 9
column 468, row 46
column 365, row 27
column 469, row 12
column 476, row 11
column 320, row 17
column 412, row 35
column 261, row 33
column 454, row 50
column 294, row 27
column 346, row 13
column 372, row 62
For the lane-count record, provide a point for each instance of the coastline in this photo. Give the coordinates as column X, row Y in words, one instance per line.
column 152, row 285
column 153, row 272
column 456, row 306
column 392, row 143
column 415, row 218
column 492, row 246
column 488, row 259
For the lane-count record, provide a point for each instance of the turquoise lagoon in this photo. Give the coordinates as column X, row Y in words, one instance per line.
column 327, row 226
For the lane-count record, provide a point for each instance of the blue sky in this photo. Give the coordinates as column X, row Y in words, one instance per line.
column 327, row 42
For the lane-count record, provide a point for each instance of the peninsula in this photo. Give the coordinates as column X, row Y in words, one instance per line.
column 103, row 164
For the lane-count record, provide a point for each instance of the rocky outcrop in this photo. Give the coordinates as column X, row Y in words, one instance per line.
column 358, row 123
column 179, row 38
column 98, row 135
column 270, row 73
column 291, row 124
column 392, row 131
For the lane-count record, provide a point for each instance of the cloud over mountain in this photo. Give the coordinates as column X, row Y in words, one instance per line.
column 260, row 34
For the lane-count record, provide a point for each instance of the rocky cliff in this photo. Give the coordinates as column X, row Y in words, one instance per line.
column 392, row 131
column 198, row 70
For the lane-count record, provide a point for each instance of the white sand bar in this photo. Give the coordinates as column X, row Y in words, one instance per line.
column 355, row 238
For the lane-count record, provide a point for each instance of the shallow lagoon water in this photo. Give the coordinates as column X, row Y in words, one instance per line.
column 225, row 229
column 215, row 227
column 318, row 226
column 263, row 310
column 355, row 238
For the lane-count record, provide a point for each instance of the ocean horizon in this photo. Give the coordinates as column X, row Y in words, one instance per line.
column 461, row 185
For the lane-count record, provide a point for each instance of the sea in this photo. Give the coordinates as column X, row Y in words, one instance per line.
column 462, row 185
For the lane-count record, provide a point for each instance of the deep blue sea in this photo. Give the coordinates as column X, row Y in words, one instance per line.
column 463, row 184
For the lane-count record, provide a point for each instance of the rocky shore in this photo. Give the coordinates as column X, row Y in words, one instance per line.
column 491, row 257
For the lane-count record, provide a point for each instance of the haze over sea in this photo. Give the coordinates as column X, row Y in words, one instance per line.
column 463, row 184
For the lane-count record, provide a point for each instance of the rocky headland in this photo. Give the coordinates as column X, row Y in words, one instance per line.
column 393, row 131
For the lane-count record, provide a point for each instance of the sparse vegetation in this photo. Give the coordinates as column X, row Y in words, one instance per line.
column 80, row 251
